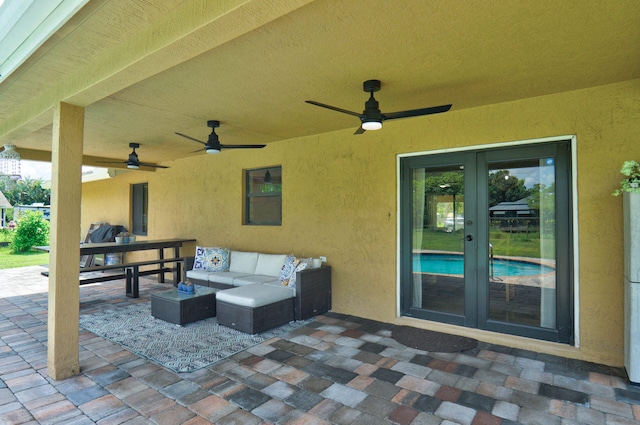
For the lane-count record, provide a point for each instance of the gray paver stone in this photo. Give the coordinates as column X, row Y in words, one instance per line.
column 456, row 413
column 506, row 410
column 345, row 395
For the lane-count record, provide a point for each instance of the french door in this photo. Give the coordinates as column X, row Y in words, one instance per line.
column 486, row 239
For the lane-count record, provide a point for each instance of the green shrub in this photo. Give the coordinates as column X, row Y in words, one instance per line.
column 32, row 230
column 6, row 235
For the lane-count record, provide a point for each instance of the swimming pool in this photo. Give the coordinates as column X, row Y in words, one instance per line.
column 454, row 264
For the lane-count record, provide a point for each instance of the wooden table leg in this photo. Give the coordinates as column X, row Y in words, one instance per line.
column 129, row 283
column 136, row 282
column 161, row 274
column 177, row 270
column 133, row 282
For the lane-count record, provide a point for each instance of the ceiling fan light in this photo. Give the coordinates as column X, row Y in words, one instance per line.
column 212, row 150
column 372, row 125
column 133, row 166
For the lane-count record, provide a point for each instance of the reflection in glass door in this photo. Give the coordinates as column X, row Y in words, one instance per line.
column 485, row 239
column 521, row 256
column 438, row 226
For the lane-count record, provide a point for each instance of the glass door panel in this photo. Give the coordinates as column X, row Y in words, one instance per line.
column 438, row 240
column 486, row 239
column 522, row 240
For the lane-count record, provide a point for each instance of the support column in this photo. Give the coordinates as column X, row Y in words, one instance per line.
column 64, row 257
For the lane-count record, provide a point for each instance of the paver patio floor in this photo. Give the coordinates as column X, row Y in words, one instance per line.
column 338, row 369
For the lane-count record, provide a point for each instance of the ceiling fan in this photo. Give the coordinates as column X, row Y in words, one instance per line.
column 371, row 118
column 213, row 142
column 133, row 162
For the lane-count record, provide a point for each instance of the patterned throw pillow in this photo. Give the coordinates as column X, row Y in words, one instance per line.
column 199, row 260
column 211, row 259
column 291, row 266
column 218, row 260
column 288, row 268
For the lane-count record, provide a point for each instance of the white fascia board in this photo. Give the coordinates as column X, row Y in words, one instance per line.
column 27, row 24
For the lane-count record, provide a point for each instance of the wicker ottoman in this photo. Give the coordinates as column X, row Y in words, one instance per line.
column 254, row 308
column 175, row 307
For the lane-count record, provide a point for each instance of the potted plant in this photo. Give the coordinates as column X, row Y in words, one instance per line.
column 122, row 237
column 631, row 183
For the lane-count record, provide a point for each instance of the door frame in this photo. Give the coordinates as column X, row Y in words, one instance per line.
column 574, row 218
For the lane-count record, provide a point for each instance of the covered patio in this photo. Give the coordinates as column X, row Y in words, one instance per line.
column 338, row 369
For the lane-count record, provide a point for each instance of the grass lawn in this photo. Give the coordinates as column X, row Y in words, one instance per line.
column 504, row 243
column 32, row 258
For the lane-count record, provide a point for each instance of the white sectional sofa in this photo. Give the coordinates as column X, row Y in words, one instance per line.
column 242, row 268
column 259, row 291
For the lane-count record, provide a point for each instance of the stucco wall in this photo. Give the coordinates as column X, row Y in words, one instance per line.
column 340, row 200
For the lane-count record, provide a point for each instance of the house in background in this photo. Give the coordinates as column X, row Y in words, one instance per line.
column 550, row 88
column 38, row 206
column 516, row 216
column 4, row 205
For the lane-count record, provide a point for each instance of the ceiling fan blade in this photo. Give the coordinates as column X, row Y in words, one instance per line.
column 333, row 108
column 360, row 130
column 145, row 164
column 242, row 146
column 112, row 162
column 416, row 112
column 190, row 138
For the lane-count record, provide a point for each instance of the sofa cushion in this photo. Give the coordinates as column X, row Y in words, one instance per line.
column 256, row 295
column 270, row 264
column 279, row 285
column 225, row 277
column 243, row 262
column 198, row 274
column 211, row 259
column 254, row 278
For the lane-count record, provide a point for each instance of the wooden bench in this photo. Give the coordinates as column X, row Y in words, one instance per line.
column 132, row 273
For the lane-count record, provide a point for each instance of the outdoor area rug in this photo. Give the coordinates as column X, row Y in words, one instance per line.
column 179, row 348
column 426, row 340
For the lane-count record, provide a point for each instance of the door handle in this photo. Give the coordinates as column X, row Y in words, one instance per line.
column 469, row 238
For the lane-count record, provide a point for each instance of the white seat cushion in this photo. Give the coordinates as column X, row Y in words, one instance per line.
column 243, row 262
column 270, row 264
column 280, row 285
column 250, row 279
column 255, row 295
column 198, row 274
column 225, row 277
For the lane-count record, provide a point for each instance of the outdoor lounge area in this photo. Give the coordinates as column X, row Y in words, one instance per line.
column 336, row 369
column 355, row 133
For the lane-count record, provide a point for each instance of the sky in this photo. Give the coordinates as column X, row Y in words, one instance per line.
column 36, row 170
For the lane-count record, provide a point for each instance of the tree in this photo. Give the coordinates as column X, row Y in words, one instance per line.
column 504, row 187
column 543, row 200
column 435, row 184
column 25, row 191
column 444, row 183
column 32, row 230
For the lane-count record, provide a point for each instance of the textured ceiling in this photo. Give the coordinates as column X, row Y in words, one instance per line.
column 146, row 69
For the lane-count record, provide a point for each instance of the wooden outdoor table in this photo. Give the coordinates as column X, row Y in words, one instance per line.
column 132, row 269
